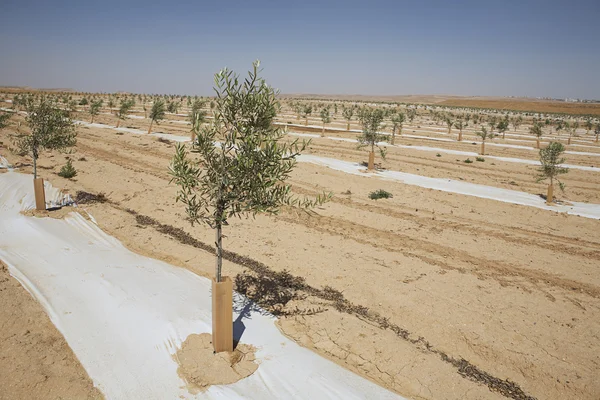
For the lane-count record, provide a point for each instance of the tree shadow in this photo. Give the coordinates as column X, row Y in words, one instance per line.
column 245, row 308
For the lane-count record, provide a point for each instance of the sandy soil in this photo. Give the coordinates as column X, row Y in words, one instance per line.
column 444, row 296
column 35, row 360
column 201, row 367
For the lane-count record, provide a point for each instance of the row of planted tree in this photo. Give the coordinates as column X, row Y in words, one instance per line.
column 325, row 110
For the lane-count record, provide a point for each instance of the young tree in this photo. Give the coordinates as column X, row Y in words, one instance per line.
column 123, row 112
column 326, row 118
column 516, row 122
column 411, row 113
column 460, row 125
column 51, row 129
column 111, row 104
column 245, row 174
column 347, row 114
column 95, row 107
column 173, row 107
column 537, row 131
column 492, row 122
column 197, row 117
column 597, row 131
column 157, row 113
column 484, row 135
column 449, row 123
column 588, row 126
column 371, row 120
column 503, row 127
column 571, row 129
column 306, row 111
column 551, row 160
column 397, row 123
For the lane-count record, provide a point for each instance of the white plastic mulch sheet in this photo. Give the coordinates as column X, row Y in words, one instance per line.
column 124, row 315
column 455, row 152
column 447, row 185
column 4, row 163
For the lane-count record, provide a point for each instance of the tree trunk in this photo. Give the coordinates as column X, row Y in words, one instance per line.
column 348, row 126
column 371, row 165
column 150, row 127
column 538, row 143
column 460, row 135
column 482, row 148
column 34, row 167
column 596, row 138
column 550, row 195
column 118, row 122
column 393, row 135
column 219, row 251
column 92, row 121
column 569, row 141
column 503, row 135
column 305, row 121
column 323, row 131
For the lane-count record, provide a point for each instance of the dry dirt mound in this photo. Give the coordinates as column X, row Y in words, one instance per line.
column 200, row 367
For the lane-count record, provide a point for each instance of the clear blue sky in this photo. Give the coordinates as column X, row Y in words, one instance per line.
column 521, row 48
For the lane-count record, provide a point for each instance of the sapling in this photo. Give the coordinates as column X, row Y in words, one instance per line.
column 397, row 123
column 123, row 112
column 110, row 104
column 484, row 135
column 325, row 118
column 197, row 117
column 516, row 122
column 173, row 107
column 588, row 126
column 492, row 122
column 371, row 120
column 502, row 127
column 348, row 113
column 460, row 125
column 597, row 131
column 157, row 113
column 95, row 107
column 551, row 160
column 240, row 168
column 571, row 129
column 537, row 131
column 51, row 129
column 449, row 123
column 305, row 112
column 411, row 113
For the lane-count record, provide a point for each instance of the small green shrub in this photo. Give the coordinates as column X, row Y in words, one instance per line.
column 480, row 159
column 380, row 194
column 468, row 161
column 438, row 155
column 68, row 170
